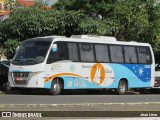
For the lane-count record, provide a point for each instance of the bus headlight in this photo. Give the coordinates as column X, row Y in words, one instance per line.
column 34, row 74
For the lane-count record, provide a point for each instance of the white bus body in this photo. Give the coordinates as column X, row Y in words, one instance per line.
column 82, row 62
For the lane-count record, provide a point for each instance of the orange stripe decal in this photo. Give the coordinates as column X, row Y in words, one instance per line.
column 61, row 74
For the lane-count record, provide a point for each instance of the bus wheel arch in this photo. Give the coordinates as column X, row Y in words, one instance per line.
column 57, row 86
column 122, row 86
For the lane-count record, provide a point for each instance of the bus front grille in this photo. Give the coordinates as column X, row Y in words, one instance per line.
column 20, row 78
column 20, row 74
column 22, row 82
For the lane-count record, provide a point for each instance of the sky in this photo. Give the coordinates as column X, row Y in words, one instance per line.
column 50, row 2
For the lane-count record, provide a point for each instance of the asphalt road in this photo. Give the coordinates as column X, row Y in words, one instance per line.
column 80, row 102
column 78, row 99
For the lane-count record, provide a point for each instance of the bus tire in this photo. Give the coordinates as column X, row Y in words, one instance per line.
column 6, row 86
column 26, row 91
column 56, row 87
column 122, row 88
column 154, row 91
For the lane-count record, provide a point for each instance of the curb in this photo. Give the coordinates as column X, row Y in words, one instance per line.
column 73, row 105
column 18, row 92
column 9, row 92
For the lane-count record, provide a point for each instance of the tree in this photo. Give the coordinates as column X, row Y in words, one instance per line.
column 137, row 21
column 34, row 21
column 10, row 47
column 127, row 20
column 96, row 15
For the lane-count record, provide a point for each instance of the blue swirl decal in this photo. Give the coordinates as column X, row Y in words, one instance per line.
column 142, row 71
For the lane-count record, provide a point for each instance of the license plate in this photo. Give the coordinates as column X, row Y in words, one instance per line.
column 19, row 78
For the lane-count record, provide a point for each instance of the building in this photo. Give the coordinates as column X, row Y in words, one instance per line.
column 4, row 10
column 26, row 3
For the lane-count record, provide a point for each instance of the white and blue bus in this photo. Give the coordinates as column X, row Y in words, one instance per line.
column 82, row 62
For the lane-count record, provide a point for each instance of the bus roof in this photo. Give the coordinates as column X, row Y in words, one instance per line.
column 91, row 39
column 94, row 37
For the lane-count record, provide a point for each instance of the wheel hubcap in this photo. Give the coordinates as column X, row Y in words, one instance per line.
column 122, row 88
column 56, row 88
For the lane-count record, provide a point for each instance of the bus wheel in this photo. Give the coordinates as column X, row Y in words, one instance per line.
column 154, row 91
column 56, row 87
column 6, row 86
column 26, row 91
column 122, row 88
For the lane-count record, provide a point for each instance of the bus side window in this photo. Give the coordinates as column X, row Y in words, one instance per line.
column 144, row 55
column 102, row 53
column 130, row 54
column 73, row 52
column 86, row 52
column 116, row 53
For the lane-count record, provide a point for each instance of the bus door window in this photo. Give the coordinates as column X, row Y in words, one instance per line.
column 64, row 55
column 60, row 54
column 53, row 56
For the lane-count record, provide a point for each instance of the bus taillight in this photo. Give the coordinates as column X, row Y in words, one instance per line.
column 156, row 82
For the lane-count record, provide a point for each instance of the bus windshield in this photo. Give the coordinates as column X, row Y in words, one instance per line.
column 31, row 52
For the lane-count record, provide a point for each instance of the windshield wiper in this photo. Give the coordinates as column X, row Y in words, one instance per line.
column 31, row 61
column 24, row 61
column 17, row 61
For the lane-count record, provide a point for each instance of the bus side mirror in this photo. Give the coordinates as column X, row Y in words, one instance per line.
column 157, row 68
column 54, row 47
column 17, row 48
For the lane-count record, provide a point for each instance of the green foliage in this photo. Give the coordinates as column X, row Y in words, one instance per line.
column 10, row 47
column 128, row 20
